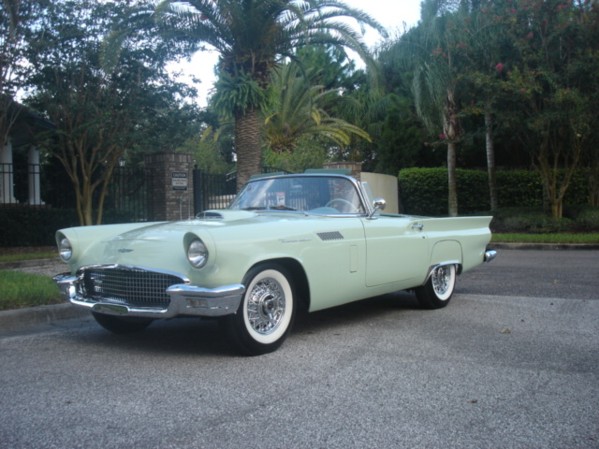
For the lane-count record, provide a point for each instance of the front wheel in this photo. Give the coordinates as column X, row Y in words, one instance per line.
column 438, row 290
column 121, row 325
column 266, row 313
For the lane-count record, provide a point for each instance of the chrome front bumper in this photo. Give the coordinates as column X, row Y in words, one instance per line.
column 185, row 299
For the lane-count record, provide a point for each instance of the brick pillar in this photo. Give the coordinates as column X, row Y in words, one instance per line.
column 170, row 186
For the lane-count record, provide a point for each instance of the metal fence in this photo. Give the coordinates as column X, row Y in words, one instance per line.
column 20, row 184
column 212, row 191
column 128, row 198
column 34, row 185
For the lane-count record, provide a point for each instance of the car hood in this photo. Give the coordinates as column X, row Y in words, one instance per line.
column 208, row 220
column 149, row 243
column 161, row 245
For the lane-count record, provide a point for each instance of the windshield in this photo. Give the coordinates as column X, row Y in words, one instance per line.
column 313, row 194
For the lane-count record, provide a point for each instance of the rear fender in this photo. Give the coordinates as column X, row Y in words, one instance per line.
column 446, row 252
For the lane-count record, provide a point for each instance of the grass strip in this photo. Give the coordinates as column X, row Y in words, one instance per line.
column 14, row 256
column 19, row 290
column 555, row 238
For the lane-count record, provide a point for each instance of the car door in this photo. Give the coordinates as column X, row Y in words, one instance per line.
column 396, row 250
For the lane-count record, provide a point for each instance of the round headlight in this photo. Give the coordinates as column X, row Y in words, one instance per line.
column 197, row 254
column 65, row 249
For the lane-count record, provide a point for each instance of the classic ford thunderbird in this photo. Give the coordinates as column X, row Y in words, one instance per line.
column 313, row 240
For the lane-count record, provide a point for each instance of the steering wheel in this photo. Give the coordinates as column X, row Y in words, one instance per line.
column 345, row 204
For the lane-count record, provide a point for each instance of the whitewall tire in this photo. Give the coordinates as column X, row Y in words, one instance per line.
column 266, row 313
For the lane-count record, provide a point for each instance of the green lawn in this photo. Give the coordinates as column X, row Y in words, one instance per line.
column 19, row 290
column 555, row 238
column 8, row 255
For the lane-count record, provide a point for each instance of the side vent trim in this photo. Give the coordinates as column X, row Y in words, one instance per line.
column 327, row 236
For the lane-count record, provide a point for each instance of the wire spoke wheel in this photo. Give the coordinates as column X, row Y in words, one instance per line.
column 439, row 287
column 266, row 312
column 442, row 280
column 266, row 306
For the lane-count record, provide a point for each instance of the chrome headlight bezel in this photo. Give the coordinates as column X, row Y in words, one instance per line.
column 65, row 249
column 197, row 253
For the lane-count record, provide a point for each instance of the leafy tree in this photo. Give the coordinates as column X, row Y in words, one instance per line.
column 251, row 37
column 558, row 51
column 487, row 53
column 208, row 153
column 15, row 17
column 101, row 114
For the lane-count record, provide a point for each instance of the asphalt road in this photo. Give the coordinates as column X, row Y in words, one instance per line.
column 512, row 362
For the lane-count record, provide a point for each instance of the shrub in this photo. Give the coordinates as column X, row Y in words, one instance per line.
column 528, row 220
column 424, row 191
column 587, row 219
column 32, row 226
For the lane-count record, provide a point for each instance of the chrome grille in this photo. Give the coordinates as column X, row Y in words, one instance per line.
column 129, row 286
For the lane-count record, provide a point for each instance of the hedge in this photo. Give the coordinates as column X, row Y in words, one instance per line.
column 32, row 226
column 24, row 225
column 424, row 191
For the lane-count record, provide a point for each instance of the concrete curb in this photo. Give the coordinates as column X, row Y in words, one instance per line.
column 20, row 319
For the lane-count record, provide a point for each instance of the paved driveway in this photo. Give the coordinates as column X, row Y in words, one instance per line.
column 506, row 365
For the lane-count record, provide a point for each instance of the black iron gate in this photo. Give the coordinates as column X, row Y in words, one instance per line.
column 216, row 191
column 212, row 191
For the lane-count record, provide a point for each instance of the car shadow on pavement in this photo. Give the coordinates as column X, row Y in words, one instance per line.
column 197, row 336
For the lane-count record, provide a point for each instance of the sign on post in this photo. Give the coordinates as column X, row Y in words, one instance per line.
column 179, row 180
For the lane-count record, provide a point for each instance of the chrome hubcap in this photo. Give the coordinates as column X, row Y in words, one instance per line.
column 441, row 279
column 266, row 306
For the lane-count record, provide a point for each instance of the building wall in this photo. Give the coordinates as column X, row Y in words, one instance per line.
column 383, row 186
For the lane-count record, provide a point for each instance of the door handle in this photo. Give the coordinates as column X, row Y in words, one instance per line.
column 417, row 226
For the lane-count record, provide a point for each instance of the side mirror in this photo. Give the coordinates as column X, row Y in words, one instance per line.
column 377, row 205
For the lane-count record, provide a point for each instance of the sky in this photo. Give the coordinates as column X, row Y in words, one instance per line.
column 394, row 15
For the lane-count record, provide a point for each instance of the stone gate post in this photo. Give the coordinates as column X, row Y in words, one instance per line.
column 170, row 177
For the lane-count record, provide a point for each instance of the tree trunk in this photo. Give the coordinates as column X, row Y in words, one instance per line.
column 247, row 145
column 490, row 147
column 452, row 130
column 452, row 179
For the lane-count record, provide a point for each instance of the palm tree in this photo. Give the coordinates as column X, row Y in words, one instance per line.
column 435, row 83
column 299, row 111
column 252, row 36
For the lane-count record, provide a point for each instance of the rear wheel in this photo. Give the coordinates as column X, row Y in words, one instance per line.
column 438, row 290
column 266, row 313
column 121, row 325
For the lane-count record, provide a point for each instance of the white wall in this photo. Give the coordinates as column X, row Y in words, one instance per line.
column 384, row 186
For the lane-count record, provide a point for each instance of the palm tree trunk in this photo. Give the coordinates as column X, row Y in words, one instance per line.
column 452, row 130
column 452, row 179
column 490, row 147
column 247, row 145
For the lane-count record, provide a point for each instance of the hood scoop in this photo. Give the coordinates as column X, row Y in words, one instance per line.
column 224, row 215
column 210, row 215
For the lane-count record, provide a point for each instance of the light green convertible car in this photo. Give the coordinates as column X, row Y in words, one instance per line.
column 312, row 241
